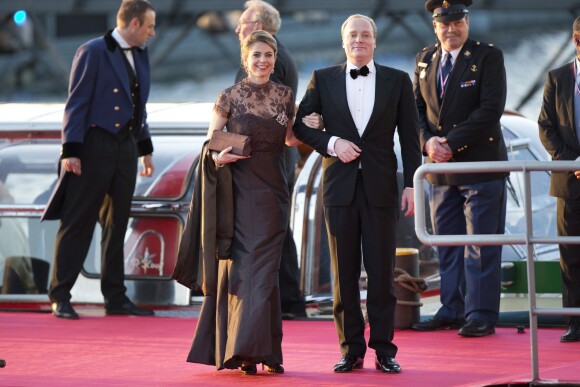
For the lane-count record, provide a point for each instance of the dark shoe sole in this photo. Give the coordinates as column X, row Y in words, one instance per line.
column 67, row 316
column 565, row 340
column 441, row 328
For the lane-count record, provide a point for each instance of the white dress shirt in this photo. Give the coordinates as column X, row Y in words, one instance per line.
column 128, row 53
column 360, row 95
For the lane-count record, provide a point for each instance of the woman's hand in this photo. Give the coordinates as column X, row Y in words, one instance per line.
column 313, row 120
column 225, row 157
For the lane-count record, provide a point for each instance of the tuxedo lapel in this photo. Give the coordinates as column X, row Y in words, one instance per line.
column 337, row 86
column 383, row 87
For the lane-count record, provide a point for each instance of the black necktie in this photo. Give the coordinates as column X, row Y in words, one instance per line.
column 364, row 71
column 447, row 66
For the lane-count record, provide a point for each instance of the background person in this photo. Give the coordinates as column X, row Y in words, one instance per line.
column 260, row 15
column 460, row 89
column 362, row 103
column 246, row 328
column 104, row 133
column 559, row 126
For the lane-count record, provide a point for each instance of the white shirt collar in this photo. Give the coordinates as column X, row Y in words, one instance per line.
column 117, row 36
column 370, row 65
column 577, row 61
column 454, row 54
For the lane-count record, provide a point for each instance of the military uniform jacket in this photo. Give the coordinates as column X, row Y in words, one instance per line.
column 468, row 116
column 100, row 94
column 557, row 129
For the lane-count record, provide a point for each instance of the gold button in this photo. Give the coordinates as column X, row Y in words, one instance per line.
column 142, row 125
column 117, row 108
column 439, row 127
column 117, row 125
column 116, row 91
column 491, row 139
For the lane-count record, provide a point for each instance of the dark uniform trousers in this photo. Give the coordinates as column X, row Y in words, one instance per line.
column 102, row 192
column 568, row 221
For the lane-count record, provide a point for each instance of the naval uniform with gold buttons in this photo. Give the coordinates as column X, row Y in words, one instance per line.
column 105, row 126
column 468, row 117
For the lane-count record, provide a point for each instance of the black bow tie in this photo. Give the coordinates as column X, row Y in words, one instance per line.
column 132, row 49
column 364, row 71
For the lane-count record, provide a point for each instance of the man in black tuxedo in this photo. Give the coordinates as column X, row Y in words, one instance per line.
column 559, row 127
column 260, row 15
column 104, row 133
column 460, row 88
column 362, row 103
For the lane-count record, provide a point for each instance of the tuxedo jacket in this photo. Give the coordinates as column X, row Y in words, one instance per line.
column 100, row 94
column 394, row 108
column 557, row 128
column 469, row 113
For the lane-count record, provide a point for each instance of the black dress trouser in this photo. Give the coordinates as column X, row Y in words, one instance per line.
column 103, row 193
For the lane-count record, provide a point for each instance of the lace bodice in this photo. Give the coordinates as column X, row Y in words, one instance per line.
column 259, row 111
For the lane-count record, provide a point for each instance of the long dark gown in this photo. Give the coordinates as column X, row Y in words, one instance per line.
column 243, row 322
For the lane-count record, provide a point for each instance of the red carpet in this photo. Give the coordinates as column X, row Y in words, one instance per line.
column 150, row 351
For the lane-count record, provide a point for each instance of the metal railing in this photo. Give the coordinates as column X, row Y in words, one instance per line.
column 528, row 238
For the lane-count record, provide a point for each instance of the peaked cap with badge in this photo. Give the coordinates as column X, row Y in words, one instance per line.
column 448, row 10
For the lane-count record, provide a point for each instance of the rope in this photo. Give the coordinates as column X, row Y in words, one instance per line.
column 406, row 281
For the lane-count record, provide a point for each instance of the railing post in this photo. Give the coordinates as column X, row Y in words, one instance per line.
column 531, row 275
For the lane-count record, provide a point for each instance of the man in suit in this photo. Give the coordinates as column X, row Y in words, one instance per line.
column 460, row 89
column 104, row 133
column 361, row 103
column 559, row 125
column 260, row 15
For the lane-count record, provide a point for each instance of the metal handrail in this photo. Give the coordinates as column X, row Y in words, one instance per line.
column 526, row 238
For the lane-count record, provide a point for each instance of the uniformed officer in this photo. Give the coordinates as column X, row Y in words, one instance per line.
column 460, row 89
column 104, row 132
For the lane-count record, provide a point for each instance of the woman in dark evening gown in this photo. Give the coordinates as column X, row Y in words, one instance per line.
column 246, row 328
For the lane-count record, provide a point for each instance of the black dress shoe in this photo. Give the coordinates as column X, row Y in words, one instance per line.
column 572, row 334
column 349, row 363
column 129, row 309
column 249, row 369
column 476, row 328
column 63, row 309
column 387, row 364
column 436, row 324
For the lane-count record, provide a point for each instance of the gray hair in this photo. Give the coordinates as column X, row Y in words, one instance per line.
column 359, row 16
column 267, row 14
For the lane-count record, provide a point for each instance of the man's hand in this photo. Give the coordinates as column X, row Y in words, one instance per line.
column 71, row 164
column 346, row 150
column 438, row 149
column 408, row 201
column 147, row 163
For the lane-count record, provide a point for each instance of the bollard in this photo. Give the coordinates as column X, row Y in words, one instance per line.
column 408, row 307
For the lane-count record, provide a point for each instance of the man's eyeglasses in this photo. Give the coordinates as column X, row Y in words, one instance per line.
column 241, row 22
